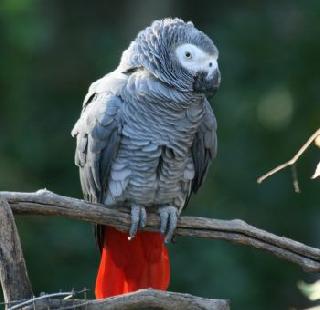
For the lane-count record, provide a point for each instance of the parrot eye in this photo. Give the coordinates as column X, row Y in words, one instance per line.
column 188, row 55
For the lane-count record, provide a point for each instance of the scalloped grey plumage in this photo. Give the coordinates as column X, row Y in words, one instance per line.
column 144, row 136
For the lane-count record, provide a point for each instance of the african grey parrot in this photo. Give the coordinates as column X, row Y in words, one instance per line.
column 147, row 133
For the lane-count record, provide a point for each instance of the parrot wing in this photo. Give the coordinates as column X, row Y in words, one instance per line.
column 98, row 132
column 204, row 147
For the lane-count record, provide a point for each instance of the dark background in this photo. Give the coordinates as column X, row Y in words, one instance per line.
column 268, row 104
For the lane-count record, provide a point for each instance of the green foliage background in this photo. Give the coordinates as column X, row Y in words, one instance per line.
column 268, row 104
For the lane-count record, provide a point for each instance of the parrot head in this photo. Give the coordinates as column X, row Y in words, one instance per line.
column 201, row 64
column 176, row 53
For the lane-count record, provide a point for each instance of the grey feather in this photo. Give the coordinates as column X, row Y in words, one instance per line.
column 204, row 147
column 145, row 137
column 98, row 135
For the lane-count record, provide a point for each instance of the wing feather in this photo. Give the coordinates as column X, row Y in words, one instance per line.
column 98, row 132
column 204, row 147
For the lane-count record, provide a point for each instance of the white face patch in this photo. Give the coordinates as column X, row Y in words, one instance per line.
column 195, row 59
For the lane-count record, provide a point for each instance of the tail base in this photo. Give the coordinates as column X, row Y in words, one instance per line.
column 127, row 266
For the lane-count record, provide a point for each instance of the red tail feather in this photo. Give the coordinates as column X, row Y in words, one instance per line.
column 127, row 266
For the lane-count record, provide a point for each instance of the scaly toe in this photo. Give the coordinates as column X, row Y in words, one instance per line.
column 138, row 219
column 168, row 221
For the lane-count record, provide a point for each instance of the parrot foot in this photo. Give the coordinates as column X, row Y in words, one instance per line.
column 168, row 221
column 138, row 219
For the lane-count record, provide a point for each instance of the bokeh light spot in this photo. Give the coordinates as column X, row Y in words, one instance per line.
column 275, row 109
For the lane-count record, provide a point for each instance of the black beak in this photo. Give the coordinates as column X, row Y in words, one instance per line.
column 208, row 84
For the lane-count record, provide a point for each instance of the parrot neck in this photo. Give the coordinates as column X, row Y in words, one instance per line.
column 145, row 89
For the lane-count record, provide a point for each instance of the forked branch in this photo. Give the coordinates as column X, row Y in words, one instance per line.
column 291, row 163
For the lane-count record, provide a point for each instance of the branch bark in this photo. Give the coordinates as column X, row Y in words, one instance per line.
column 142, row 299
column 46, row 203
column 13, row 273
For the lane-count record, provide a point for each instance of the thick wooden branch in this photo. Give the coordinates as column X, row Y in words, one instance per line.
column 13, row 273
column 142, row 299
column 49, row 204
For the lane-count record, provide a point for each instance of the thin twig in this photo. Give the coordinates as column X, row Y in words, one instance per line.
column 47, row 203
column 295, row 178
column 293, row 160
column 32, row 300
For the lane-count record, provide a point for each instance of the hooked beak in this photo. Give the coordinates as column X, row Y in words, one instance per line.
column 207, row 83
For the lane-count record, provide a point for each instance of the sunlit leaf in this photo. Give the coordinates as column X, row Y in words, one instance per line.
column 317, row 172
column 317, row 141
column 312, row 291
column 314, row 308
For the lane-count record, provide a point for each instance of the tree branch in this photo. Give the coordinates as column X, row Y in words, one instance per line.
column 46, row 203
column 13, row 273
column 141, row 299
column 292, row 161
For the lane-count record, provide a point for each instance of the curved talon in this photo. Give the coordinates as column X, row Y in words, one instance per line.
column 138, row 219
column 168, row 221
column 143, row 217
